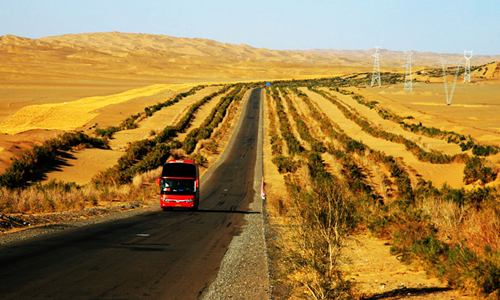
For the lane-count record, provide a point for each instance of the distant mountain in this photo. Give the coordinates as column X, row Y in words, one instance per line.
column 116, row 43
column 128, row 55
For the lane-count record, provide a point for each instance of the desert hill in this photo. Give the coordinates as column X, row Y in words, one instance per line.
column 115, row 43
column 160, row 58
column 489, row 71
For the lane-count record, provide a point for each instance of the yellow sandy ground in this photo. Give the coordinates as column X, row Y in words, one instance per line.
column 159, row 120
column 372, row 115
column 379, row 274
column 433, row 172
column 274, row 182
column 74, row 114
column 84, row 165
column 474, row 109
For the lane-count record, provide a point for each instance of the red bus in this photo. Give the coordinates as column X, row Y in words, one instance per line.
column 179, row 185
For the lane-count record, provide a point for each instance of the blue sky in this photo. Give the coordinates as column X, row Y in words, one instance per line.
column 421, row 25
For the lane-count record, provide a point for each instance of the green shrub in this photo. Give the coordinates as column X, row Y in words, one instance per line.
column 476, row 170
column 198, row 159
column 285, row 164
column 32, row 162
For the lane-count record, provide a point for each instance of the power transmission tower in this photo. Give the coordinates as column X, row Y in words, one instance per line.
column 458, row 63
column 376, row 68
column 408, row 76
column 468, row 56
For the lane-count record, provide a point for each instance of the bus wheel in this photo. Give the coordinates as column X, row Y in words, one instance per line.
column 167, row 208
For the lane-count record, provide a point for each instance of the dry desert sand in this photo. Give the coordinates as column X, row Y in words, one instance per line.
column 73, row 82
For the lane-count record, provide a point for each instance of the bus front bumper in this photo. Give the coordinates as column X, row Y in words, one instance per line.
column 170, row 202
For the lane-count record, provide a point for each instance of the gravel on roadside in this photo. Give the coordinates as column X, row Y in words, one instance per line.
column 243, row 273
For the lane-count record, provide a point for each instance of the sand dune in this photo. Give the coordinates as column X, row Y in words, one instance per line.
column 123, row 56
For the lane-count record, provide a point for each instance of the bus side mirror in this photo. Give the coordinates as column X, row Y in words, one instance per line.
column 159, row 180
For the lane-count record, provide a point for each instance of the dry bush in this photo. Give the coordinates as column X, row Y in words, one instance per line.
column 177, row 153
column 59, row 196
column 152, row 175
column 277, row 205
column 137, row 181
column 147, row 178
column 445, row 215
column 200, row 145
column 37, row 199
column 481, row 230
column 322, row 219
column 455, row 223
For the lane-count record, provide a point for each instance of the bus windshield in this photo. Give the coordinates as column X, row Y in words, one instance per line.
column 178, row 186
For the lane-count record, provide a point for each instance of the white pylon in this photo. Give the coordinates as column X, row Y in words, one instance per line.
column 376, row 68
column 458, row 63
column 408, row 76
column 468, row 56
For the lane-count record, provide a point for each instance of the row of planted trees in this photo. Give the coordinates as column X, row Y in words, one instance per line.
column 20, row 192
column 145, row 155
column 453, row 232
column 476, row 169
column 422, row 155
column 27, row 167
column 132, row 121
column 466, row 143
column 321, row 215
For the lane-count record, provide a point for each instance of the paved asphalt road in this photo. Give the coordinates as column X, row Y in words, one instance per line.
column 157, row 255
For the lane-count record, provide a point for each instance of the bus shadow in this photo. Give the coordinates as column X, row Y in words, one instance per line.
column 228, row 211
column 407, row 291
column 215, row 211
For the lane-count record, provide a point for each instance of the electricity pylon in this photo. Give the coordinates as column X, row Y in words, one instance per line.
column 468, row 56
column 458, row 63
column 376, row 68
column 408, row 76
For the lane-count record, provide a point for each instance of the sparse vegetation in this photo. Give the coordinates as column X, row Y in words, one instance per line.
column 213, row 119
column 453, row 232
column 130, row 122
column 450, row 231
column 141, row 157
column 25, row 169
column 475, row 170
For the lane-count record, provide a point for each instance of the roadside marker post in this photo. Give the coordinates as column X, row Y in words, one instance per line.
column 262, row 190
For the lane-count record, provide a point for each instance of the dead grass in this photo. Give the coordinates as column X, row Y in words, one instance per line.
column 457, row 223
